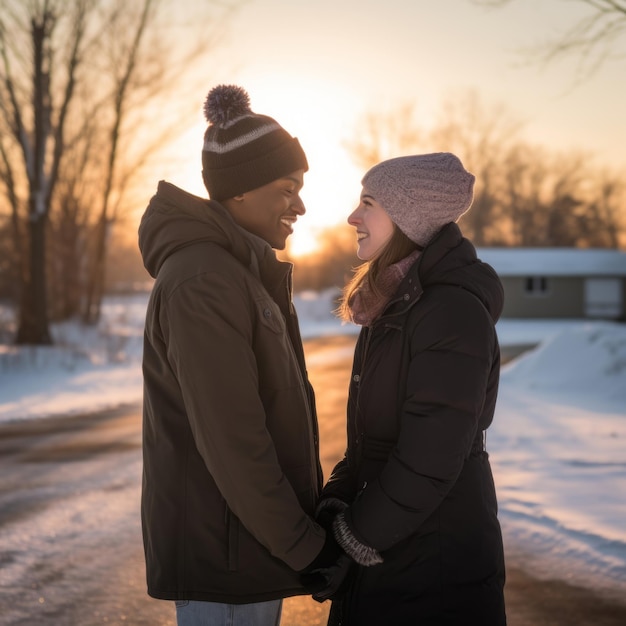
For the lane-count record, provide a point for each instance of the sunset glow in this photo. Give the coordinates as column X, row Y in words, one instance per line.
column 318, row 68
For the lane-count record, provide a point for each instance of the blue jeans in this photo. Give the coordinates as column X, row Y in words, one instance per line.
column 196, row 613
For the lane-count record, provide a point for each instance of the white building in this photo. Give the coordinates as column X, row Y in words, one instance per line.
column 560, row 282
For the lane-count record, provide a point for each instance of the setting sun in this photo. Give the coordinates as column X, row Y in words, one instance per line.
column 318, row 83
column 302, row 242
column 332, row 184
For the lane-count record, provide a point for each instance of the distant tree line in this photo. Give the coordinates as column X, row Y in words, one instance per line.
column 83, row 85
column 525, row 195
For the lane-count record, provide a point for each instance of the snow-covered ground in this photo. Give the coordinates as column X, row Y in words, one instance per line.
column 558, row 442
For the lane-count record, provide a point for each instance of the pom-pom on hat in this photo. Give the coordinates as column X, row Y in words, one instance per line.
column 421, row 193
column 244, row 150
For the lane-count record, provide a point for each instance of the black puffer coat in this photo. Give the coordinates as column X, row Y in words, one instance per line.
column 423, row 391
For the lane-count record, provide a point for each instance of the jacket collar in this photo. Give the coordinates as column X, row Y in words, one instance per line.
column 411, row 288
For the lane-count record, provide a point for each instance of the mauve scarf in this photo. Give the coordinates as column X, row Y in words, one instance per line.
column 366, row 306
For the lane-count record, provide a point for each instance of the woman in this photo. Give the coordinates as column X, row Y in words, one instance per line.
column 413, row 500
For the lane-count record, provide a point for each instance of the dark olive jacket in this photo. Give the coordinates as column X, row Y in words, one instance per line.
column 423, row 391
column 230, row 438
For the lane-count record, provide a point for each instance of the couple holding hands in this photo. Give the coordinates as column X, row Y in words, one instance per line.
column 235, row 513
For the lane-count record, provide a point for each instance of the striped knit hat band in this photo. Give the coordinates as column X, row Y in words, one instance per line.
column 211, row 145
column 244, row 150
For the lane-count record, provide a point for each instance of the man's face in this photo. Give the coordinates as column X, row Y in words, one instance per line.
column 271, row 211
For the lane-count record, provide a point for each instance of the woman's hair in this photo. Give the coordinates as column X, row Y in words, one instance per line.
column 396, row 249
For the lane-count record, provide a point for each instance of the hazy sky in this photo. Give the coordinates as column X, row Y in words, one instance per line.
column 318, row 65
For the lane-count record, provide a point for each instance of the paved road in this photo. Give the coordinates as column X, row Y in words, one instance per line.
column 70, row 541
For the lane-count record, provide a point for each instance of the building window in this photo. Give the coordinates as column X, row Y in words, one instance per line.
column 536, row 286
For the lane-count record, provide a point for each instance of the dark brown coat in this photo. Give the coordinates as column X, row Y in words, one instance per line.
column 231, row 469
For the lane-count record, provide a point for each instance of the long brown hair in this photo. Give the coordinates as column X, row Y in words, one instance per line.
column 396, row 249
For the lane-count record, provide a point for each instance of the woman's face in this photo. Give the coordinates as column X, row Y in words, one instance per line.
column 374, row 227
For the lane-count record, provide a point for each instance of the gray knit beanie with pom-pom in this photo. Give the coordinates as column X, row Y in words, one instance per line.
column 244, row 150
column 421, row 193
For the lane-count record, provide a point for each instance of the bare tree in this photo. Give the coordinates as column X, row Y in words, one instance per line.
column 123, row 72
column 607, row 211
column 72, row 113
column 382, row 135
column 39, row 141
column 523, row 194
column 481, row 136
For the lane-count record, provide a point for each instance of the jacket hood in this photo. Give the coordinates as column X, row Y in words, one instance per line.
column 175, row 219
column 450, row 259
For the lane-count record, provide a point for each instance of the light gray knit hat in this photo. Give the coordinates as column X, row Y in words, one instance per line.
column 421, row 193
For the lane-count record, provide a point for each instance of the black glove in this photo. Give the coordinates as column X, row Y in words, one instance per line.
column 310, row 577
column 327, row 510
column 325, row 574
column 327, row 556
column 325, row 519
column 336, row 579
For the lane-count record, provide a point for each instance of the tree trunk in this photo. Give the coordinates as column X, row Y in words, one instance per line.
column 95, row 288
column 33, row 319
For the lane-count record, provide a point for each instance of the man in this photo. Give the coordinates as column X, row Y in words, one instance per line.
column 230, row 438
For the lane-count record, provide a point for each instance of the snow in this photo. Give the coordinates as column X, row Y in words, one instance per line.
column 555, row 261
column 558, row 448
column 557, row 444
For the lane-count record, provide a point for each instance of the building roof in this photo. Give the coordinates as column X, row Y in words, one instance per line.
column 554, row 261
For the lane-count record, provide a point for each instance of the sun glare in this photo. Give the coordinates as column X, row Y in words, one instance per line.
column 302, row 242
column 321, row 114
column 322, row 125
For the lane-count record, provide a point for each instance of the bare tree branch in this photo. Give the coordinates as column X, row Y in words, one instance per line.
column 594, row 38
